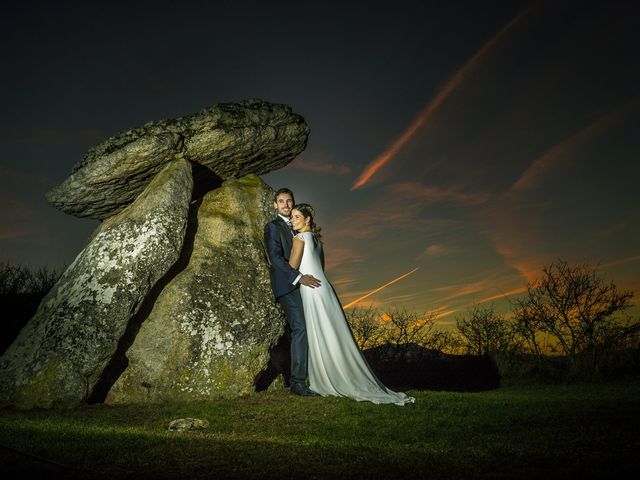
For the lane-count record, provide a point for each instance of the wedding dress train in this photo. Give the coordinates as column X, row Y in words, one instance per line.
column 336, row 365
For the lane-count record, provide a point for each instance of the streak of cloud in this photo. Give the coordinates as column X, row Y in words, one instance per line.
column 380, row 288
column 320, row 166
column 449, row 87
column 621, row 261
column 564, row 152
column 400, row 207
column 433, row 194
column 340, row 256
column 502, row 295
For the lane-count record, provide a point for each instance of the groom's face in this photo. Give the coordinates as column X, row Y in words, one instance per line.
column 284, row 204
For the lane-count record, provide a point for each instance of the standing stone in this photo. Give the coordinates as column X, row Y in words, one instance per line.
column 210, row 329
column 60, row 354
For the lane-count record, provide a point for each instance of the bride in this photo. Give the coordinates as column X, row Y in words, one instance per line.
column 336, row 364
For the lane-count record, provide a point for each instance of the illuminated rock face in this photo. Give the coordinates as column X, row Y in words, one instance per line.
column 231, row 140
column 61, row 353
column 211, row 327
column 171, row 297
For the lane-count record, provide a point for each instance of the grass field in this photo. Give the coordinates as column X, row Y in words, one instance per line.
column 527, row 431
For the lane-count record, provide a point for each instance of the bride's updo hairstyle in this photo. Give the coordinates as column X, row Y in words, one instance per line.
column 307, row 212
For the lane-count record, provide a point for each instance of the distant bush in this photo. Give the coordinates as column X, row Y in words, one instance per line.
column 18, row 279
column 21, row 291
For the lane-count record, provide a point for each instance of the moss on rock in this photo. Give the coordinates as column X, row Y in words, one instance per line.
column 211, row 328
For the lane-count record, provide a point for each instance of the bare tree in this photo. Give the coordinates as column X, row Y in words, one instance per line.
column 366, row 326
column 527, row 328
column 484, row 331
column 577, row 308
column 403, row 328
column 19, row 279
column 399, row 328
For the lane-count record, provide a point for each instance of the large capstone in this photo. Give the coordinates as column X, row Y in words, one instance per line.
column 61, row 353
column 232, row 140
column 212, row 326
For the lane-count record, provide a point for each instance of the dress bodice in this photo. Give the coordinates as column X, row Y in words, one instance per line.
column 311, row 262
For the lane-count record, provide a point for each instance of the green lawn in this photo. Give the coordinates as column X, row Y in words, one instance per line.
column 534, row 431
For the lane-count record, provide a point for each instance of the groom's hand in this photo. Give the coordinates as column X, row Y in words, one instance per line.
column 309, row 281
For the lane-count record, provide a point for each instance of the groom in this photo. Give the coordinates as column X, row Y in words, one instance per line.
column 285, row 282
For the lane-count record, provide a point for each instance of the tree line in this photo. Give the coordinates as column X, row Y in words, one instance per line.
column 570, row 313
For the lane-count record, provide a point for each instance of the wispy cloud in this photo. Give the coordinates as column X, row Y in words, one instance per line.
column 502, row 295
column 434, row 193
column 319, row 165
column 564, row 152
column 400, row 206
column 342, row 256
column 9, row 233
column 435, row 250
column 621, row 261
column 447, row 89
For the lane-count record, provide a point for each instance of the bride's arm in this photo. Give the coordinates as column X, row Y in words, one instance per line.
column 296, row 253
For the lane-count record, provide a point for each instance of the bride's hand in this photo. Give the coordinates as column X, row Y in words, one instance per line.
column 309, row 281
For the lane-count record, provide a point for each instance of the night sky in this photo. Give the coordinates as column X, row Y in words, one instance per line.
column 474, row 141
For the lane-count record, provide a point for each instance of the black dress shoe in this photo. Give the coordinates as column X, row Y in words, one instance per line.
column 302, row 390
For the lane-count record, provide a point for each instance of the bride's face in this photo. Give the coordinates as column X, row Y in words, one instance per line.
column 298, row 222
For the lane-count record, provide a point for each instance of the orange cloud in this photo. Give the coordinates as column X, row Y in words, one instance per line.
column 449, row 87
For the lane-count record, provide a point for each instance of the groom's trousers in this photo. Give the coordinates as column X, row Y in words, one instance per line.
column 292, row 305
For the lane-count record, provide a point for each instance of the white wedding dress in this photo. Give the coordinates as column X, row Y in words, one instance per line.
column 336, row 364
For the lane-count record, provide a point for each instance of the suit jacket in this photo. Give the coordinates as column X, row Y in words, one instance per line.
column 278, row 242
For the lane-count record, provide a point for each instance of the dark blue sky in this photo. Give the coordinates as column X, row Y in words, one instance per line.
column 511, row 128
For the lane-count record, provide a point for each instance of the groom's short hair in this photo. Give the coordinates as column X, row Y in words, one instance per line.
column 281, row 191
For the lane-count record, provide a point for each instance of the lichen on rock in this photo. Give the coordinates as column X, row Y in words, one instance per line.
column 60, row 354
column 211, row 328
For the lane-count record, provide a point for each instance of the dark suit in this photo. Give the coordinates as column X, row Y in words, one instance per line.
column 278, row 241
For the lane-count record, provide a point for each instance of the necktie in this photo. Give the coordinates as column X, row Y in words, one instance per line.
column 290, row 228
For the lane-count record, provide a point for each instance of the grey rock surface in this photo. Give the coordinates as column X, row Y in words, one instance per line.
column 210, row 329
column 60, row 354
column 232, row 140
column 185, row 424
